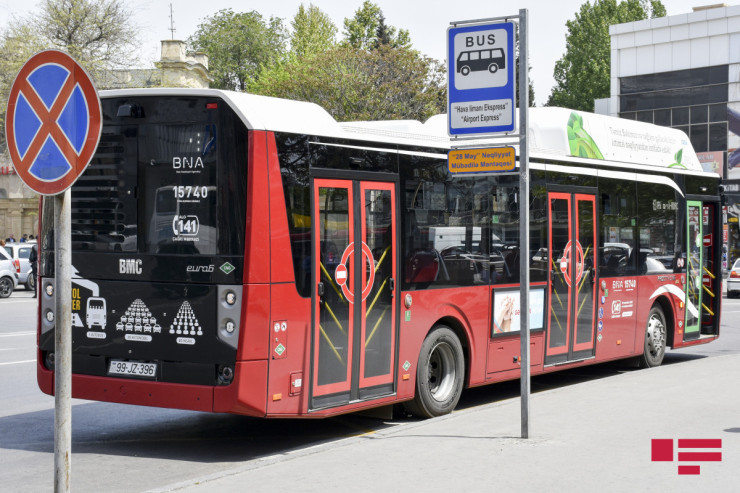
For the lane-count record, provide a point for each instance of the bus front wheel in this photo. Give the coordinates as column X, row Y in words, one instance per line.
column 439, row 375
column 493, row 68
column 655, row 338
column 465, row 70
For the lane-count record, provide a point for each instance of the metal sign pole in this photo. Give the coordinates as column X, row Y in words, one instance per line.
column 524, row 219
column 63, row 343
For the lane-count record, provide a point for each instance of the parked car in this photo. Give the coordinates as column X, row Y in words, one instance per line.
column 19, row 253
column 8, row 274
column 733, row 280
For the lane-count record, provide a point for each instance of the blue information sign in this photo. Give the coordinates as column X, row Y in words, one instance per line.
column 481, row 81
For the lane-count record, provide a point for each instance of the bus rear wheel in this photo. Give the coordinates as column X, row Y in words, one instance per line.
column 439, row 375
column 655, row 339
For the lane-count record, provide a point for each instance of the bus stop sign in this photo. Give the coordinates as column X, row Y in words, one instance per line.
column 53, row 122
column 481, row 85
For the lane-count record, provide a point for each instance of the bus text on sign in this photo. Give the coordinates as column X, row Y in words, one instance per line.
column 53, row 122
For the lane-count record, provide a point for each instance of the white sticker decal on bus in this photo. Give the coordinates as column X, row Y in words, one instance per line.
column 138, row 318
column 138, row 338
column 186, row 323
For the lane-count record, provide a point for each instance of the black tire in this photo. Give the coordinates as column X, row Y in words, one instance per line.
column 31, row 282
column 439, row 374
column 493, row 68
column 465, row 70
column 656, row 331
column 6, row 287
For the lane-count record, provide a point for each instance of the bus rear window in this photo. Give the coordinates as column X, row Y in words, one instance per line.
column 180, row 188
column 153, row 185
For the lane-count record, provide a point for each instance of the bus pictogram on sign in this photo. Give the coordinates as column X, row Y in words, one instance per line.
column 54, row 122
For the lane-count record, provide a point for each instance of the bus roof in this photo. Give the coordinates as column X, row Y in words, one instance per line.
column 554, row 133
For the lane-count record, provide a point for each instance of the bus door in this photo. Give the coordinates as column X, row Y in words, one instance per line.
column 702, row 302
column 354, row 330
column 572, row 277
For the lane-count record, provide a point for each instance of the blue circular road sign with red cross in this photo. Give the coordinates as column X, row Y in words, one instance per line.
column 53, row 122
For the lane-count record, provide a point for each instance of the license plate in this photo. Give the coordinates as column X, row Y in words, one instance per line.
column 132, row 369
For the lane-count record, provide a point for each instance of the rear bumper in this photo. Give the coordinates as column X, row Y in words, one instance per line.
column 733, row 285
column 246, row 394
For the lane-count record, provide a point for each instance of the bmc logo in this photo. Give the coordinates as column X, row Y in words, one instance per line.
column 129, row 266
column 689, row 450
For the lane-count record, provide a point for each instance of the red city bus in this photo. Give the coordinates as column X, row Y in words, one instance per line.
column 251, row 255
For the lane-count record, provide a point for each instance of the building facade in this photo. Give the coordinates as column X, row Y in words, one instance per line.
column 683, row 71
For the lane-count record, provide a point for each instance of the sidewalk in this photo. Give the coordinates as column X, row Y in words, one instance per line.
column 593, row 436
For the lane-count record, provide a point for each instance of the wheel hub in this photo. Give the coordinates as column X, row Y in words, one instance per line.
column 441, row 371
column 655, row 335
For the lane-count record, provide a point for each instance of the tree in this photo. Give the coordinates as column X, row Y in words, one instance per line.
column 100, row 34
column 238, row 45
column 354, row 84
column 583, row 73
column 313, row 31
column 367, row 30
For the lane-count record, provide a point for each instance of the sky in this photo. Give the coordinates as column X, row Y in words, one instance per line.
column 426, row 20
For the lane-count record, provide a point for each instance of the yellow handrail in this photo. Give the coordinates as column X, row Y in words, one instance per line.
column 377, row 324
column 323, row 333
column 377, row 295
column 336, row 320
column 331, row 282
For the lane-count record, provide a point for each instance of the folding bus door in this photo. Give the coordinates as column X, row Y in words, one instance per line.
column 702, row 300
column 572, row 281
column 354, row 332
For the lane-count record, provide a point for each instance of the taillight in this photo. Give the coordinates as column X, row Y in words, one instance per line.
column 17, row 264
column 734, row 273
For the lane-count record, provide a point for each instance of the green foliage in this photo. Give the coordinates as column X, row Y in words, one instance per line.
column 581, row 143
column 354, row 84
column 238, row 45
column 372, row 75
column 367, row 30
column 583, row 73
column 313, row 31
column 99, row 34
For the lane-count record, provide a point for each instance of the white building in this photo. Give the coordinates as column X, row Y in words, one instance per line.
column 683, row 71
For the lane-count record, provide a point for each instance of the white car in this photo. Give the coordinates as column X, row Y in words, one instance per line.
column 733, row 280
column 8, row 274
column 20, row 252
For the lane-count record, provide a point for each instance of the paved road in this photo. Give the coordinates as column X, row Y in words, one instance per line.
column 601, row 417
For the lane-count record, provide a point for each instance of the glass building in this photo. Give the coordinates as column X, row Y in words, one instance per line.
column 683, row 71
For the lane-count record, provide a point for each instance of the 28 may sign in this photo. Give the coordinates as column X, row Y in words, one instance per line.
column 53, row 122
